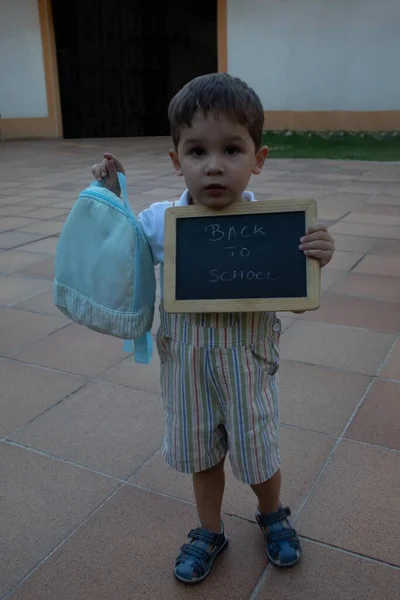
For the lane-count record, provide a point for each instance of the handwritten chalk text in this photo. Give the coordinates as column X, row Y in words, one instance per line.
column 233, row 233
column 216, row 275
column 233, row 251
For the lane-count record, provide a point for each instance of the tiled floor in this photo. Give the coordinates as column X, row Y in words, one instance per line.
column 89, row 510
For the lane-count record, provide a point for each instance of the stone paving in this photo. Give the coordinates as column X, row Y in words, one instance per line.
column 88, row 510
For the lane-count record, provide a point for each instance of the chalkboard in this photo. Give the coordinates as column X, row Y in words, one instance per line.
column 243, row 258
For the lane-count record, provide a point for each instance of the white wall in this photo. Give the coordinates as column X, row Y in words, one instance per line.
column 316, row 55
column 22, row 80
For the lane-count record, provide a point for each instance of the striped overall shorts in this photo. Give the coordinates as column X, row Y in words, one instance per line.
column 220, row 392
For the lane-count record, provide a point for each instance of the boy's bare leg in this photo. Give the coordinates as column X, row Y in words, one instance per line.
column 268, row 494
column 209, row 488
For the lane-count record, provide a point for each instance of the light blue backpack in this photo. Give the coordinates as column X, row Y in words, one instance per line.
column 104, row 274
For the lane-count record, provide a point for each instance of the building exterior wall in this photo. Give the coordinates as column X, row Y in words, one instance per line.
column 319, row 65
column 29, row 100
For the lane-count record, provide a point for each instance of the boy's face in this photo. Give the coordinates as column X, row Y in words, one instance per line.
column 217, row 157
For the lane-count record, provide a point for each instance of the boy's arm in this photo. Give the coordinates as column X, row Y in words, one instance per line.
column 152, row 220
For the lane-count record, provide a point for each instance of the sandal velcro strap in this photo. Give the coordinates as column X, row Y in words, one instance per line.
column 204, row 536
column 285, row 535
column 276, row 517
column 191, row 550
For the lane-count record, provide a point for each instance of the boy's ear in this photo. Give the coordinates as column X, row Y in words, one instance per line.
column 175, row 161
column 261, row 157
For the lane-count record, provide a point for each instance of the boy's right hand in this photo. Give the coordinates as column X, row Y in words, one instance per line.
column 108, row 168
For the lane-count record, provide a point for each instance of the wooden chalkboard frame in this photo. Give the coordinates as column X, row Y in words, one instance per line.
column 171, row 304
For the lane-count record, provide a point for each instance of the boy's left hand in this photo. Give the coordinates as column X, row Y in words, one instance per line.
column 318, row 244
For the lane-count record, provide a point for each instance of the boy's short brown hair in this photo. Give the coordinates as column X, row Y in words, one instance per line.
column 219, row 93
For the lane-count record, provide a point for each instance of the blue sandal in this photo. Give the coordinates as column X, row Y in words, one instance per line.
column 195, row 560
column 282, row 543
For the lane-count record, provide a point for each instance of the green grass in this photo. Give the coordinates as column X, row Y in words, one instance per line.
column 335, row 146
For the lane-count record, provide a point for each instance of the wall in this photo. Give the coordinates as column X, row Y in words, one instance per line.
column 23, row 85
column 312, row 59
column 28, row 76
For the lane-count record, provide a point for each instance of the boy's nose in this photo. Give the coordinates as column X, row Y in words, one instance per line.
column 214, row 167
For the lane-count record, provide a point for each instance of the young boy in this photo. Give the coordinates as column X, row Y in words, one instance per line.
column 218, row 371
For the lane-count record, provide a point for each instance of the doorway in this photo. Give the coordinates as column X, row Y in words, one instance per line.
column 120, row 63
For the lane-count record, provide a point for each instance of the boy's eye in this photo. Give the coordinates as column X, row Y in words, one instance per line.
column 197, row 151
column 232, row 150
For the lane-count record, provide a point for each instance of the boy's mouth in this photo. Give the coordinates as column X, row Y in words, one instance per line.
column 215, row 189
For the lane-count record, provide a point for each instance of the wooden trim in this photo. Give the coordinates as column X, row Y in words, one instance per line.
column 50, row 126
column 334, row 120
column 222, row 28
column 171, row 304
column 50, row 63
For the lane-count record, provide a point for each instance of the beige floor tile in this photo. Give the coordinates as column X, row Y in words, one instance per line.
column 286, row 321
column 385, row 199
column 336, row 346
column 348, row 243
column 350, row 199
column 344, row 260
column 331, row 214
column 14, row 239
column 43, row 227
column 391, row 190
column 377, row 422
column 12, row 184
column 318, row 398
column 136, row 376
column 16, row 260
column 372, row 219
column 43, row 500
column 44, row 268
column 384, row 209
column 386, row 247
column 137, row 535
column 27, row 391
column 355, row 505
column 19, row 328
column 47, row 245
column 103, row 426
column 45, row 213
column 380, row 287
column 391, row 367
column 8, row 223
column 12, row 210
column 65, row 205
column 75, row 349
column 163, row 192
column 375, row 264
column 331, row 276
column 15, row 288
column 329, row 574
column 367, row 313
column 303, row 455
column 42, row 304
column 43, row 199
column 360, row 229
